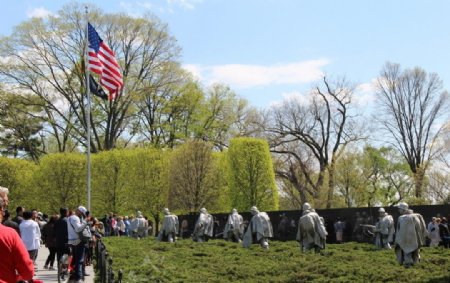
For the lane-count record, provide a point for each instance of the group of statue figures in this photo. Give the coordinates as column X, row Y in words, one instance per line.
column 410, row 234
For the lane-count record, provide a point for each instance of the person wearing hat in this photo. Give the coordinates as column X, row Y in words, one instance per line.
column 75, row 226
column 259, row 229
column 311, row 233
column 169, row 228
column 234, row 228
column 411, row 235
column 203, row 227
column 384, row 230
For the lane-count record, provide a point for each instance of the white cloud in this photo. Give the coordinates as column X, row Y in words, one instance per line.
column 146, row 5
column 366, row 87
column 364, row 94
column 186, row 4
column 248, row 76
column 294, row 97
column 137, row 8
column 39, row 13
column 195, row 70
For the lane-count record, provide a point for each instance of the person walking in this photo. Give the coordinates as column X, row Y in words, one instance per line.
column 50, row 241
column 31, row 235
column 60, row 232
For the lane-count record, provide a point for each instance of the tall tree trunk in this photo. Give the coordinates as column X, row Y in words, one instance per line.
column 156, row 224
column 331, row 169
column 300, row 188
column 419, row 176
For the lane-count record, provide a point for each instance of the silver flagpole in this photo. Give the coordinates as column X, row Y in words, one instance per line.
column 88, row 115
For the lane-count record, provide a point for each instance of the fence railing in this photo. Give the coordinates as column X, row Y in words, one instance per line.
column 103, row 266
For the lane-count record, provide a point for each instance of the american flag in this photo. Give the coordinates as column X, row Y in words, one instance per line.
column 102, row 61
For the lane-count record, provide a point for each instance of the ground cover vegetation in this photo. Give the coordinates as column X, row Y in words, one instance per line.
column 169, row 140
column 219, row 261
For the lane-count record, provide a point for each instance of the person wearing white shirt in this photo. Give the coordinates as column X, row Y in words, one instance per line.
column 30, row 234
column 433, row 233
column 75, row 225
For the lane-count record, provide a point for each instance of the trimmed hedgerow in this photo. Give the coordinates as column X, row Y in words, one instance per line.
column 219, row 261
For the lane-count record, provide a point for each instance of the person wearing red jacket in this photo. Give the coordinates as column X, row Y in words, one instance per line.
column 15, row 263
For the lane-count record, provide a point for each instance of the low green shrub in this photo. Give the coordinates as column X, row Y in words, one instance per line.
column 219, row 261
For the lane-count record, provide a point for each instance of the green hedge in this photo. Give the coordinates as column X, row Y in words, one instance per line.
column 252, row 178
column 146, row 179
column 220, row 261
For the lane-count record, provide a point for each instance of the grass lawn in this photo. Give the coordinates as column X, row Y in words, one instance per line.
column 219, row 261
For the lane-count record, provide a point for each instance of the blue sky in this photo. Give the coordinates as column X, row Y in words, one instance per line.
column 266, row 49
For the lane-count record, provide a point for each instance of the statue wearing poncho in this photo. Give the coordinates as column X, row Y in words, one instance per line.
column 411, row 235
column 204, row 227
column 384, row 230
column 311, row 232
column 259, row 229
column 169, row 228
column 234, row 229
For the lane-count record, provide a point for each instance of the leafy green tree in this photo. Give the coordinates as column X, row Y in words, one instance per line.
column 61, row 181
column 387, row 176
column 375, row 176
column 167, row 111
column 45, row 57
column 220, row 182
column 20, row 126
column 147, row 177
column 224, row 115
column 349, row 182
column 110, row 181
column 192, row 178
column 252, row 178
column 17, row 176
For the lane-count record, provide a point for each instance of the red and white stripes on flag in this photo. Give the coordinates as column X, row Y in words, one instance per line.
column 102, row 61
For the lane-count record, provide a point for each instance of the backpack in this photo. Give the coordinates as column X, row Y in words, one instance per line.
column 84, row 235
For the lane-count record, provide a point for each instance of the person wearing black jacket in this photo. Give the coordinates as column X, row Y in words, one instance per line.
column 444, row 232
column 9, row 223
column 60, row 234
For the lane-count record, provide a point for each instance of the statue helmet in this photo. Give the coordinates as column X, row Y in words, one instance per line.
column 203, row 210
column 234, row 210
column 166, row 211
column 381, row 210
column 254, row 208
column 402, row 205
column 139, row 214
column 306, row 206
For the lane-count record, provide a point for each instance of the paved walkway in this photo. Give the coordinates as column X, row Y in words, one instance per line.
column 49, row 276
